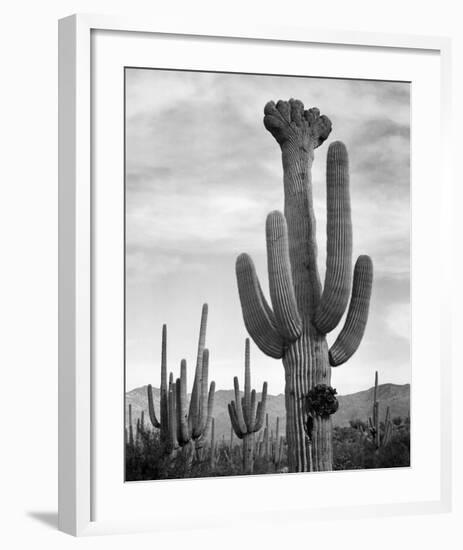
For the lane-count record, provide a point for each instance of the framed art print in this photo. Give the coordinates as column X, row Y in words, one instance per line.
column 245, row 226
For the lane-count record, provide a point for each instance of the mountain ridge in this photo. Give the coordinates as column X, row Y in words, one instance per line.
column 352, row 406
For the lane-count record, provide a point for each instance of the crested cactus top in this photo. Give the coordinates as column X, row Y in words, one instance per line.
column 289, row 122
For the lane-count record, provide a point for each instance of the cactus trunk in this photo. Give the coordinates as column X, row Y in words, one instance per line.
column 306, row 365
column 306, row 360
column 248, row 453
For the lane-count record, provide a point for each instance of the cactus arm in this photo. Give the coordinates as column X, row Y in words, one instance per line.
column 178, row 412
column 172, row 407
column 130, row 425
column 280, row 450
column 238, row 407
column 253, row 411
column 335, row 297
column 258, row 322
column 213, row 443
column 388, row 412
column 151, row 410
column 183, row 433
column 268, row 310
column 387, row 423
column 193, row 415
column 203, row 397
column 351, row 334
column 377, row 426
column 260, row 415
column 234, row 420
column 245, row 412
column 164, row 408
column 172, row 417
column 280, row 278
column 210, row 409
column 266, row 437
column 247, row 385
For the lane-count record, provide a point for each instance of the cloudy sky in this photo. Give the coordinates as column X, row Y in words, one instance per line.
column 201, row 175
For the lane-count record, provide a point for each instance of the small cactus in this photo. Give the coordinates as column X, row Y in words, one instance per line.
column 246, row 414
column 380, row 432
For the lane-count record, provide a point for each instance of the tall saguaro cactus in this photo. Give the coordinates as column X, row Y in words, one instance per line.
column 167, row 419
column 302, row 313
column 246, row 414
column 178, row 425
column 193, row 423
column 163, row 422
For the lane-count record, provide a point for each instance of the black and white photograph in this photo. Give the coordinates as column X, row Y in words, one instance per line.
column 267, row 274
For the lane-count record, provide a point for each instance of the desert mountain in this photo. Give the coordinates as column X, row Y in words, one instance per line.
column 353, row 406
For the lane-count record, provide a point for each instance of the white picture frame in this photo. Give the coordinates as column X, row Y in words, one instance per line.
column 77, row 220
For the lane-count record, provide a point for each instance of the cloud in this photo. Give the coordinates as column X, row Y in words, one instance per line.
column 398, row 320
column 202, row 175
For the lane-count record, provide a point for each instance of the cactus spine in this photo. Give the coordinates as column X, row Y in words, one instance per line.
column 246, row 414
column 294, row 328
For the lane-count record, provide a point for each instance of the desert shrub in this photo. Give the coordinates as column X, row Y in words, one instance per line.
column 358, row 424
column 352, row 450
column 146, row 458
column 397, row 452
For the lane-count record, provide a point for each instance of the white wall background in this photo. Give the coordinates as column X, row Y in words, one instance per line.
column 28, row 274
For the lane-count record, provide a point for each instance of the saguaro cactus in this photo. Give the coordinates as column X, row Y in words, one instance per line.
column 280, row 453
column 213, row 450
column 295, row 329
column 194, row 423
column 167, row 419
column 131, row 440
column 177, row 425
column 276, row 443
column 380, row 432
column 267, row 438
column 246, row 414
